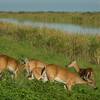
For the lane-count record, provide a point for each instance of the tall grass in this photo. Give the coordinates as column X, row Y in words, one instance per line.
column 73, row 46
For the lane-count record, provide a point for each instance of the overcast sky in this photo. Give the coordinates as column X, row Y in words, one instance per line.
column 49, row 5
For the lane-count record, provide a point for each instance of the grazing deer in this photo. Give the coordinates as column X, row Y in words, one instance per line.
column 9, row 63
column 86, row 74
column 54, row 72
column 34, row 68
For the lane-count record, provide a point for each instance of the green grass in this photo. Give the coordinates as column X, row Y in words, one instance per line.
column 21, row 42
column 23, row 89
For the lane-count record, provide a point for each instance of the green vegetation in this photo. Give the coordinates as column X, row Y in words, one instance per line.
column 73, row 46
column 50, row 46
column 85, row 19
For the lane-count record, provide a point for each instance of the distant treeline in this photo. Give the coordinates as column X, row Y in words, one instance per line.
column 93, row 12
column 81, row 18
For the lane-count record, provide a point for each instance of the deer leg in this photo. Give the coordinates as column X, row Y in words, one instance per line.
column 28, row 73
column 44, row 77
column 31, row 77
column 92, row 85
column 37, row 74
column 93, row 81
column 69, row 86
column 65, row 87
column 13, row 75
column 81, row 81
column 85, row 82
column 16, row 73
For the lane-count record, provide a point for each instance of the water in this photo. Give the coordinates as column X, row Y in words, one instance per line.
column 71, row 28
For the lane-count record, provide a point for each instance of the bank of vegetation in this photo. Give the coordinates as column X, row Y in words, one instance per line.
column 73, row 46
column 84, row 19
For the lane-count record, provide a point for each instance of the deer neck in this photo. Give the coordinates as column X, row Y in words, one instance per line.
column 77, row 68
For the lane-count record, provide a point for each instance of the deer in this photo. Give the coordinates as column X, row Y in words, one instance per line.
column 34, row 68
column 10, row 64
column 86, row 74
column 57, row 73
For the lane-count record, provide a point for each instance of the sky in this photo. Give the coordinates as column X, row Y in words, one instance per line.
column 49, row 5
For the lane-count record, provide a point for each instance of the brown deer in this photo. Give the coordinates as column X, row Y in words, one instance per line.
column 34, row 68
column 10, row 64
column 54, row 72
column 86, row 74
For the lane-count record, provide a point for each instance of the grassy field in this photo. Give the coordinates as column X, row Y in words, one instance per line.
column 84, row 19
column 50, row 46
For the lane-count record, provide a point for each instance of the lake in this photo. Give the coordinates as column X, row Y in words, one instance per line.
column 67, row 27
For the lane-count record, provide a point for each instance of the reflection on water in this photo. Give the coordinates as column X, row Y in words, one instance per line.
column 73, row 28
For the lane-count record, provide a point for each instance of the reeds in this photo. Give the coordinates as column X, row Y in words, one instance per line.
column 74, row 46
